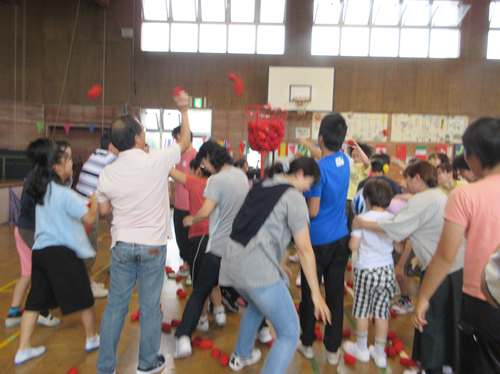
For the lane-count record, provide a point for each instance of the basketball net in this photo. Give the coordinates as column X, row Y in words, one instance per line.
column 301, row 104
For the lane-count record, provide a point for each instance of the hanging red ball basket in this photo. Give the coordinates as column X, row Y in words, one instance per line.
column 266, row 127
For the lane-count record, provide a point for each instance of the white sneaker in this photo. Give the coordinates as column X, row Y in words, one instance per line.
column 294, row 258
column 97, row 291
column 48, row 321
column 93, row 343
column 189, row 281
column 264, row 335
column 306, row 350
column 447, row 370
column 98, row 284
column 184, row 273
column 298, row 281
column 237, row 363
column 380, row 361
column 352, row 349
column 160, row 365
column 333, row 357
column 182, row 347
column 220, row 317
column 203, row 325
column 28, row 354
column 403, row 307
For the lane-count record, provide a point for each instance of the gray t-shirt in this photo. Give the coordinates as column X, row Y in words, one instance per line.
column 258, row 263
column 228, row 190
column 422, row 220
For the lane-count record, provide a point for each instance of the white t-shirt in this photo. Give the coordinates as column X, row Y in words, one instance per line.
column 136, row 184
column 375, row 248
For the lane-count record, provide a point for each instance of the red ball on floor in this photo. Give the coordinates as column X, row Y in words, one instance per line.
column 224, row 359
column 206, row 344
column 166, row 327
column 351, row 360
column 216, row 353
column 176, row 322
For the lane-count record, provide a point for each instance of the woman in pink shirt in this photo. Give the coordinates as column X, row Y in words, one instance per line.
column 473, row 211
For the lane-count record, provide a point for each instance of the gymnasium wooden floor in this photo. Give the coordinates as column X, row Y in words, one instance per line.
column 65, row 343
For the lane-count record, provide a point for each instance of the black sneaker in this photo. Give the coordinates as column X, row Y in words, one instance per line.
column 13, row 319
column 160, row 365
column 228, row 301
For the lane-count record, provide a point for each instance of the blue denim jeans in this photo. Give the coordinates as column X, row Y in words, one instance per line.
column 274, row 303
column 130, row 263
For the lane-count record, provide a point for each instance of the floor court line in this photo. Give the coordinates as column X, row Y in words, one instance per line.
column 9, row 339
column 9, row 284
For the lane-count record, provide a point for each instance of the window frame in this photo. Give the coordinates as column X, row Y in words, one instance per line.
column 493, row 30
column 371, row 25
column 227, row 22
column 161, row 130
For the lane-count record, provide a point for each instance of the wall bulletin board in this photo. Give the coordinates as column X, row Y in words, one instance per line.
column 426, row 128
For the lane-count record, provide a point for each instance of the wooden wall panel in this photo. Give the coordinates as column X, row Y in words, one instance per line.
column 343, row 83
column 468, row 85
column 400, row 87
column 18, row 124
column 432, row 87
column 367, row 85
column 490, row 92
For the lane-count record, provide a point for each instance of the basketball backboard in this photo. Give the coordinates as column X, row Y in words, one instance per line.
column 288, row 82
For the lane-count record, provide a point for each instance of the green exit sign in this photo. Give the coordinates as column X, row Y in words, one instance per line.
column 197, row 102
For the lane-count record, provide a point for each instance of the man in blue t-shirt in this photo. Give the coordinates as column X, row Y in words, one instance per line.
column 329, row 237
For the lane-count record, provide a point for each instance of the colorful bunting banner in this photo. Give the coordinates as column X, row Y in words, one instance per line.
column 381, row 149
column 421, row 152
column 303, row 150
column 67, row 126
column 442, row 149
column 39, row 126
column 283, row 150
column 292, row 148
column 91, row 128
column 244, row 148
column 401, row 151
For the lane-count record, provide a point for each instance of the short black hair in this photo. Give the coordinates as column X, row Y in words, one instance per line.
column 105, row 140
column 195, row 163
column 240, row 163
column 62, row 144
column 378, row 163
column 177, row 131
column 217, row 154
column 333, row 130
column 426, row 171
column 378, row 192
column 123, row 132
column 365, row 148
column 460, row 163
column 308, row 165
column 482, row 139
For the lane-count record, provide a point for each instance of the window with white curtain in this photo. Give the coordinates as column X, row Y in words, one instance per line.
column 214, row 26
column 390, row 28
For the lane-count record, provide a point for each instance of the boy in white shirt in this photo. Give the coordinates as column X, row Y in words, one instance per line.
column 374, row 277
